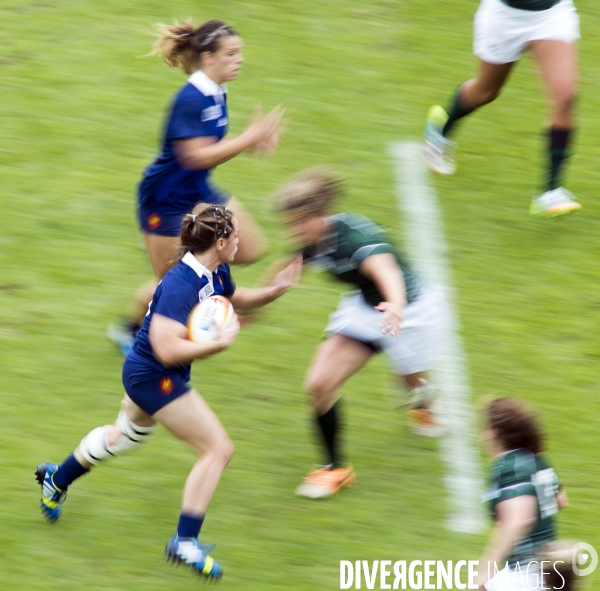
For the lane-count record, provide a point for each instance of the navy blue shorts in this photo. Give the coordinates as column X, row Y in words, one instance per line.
column 155, row 222
column 149, row 388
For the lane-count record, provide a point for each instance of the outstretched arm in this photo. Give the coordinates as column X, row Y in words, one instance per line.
column 246, row 298
column 201, row 153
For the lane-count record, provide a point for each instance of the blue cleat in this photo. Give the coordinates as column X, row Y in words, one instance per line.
column 191, row 552
column 121, row 336
column 52, row 497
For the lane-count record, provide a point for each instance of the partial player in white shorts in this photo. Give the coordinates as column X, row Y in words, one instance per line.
column 502, row 34
column 503, row 31
column 414, row 350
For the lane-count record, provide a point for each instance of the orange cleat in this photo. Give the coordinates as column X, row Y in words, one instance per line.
column 326, row 482
column 422, row 421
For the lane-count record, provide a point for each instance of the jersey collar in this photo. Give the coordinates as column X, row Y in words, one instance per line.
column 327, row 243
column 205, row 85
column 191, row 261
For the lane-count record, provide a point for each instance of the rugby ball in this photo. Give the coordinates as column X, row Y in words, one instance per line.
column 208, row 317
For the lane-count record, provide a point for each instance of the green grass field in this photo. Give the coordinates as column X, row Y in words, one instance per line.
column 81, row 114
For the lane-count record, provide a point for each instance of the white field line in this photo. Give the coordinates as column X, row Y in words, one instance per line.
column 428, row 253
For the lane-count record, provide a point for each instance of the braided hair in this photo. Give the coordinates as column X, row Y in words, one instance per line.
column 201, row 228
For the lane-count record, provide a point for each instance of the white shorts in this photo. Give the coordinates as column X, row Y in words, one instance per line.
column 420, row 337
column 510, row 580
column 502, row 34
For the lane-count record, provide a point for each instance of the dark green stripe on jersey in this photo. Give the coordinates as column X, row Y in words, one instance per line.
column 517, row 473
column 349, row 239
column 535, row 5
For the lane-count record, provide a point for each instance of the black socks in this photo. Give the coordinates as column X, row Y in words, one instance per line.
column 329, row 425
column 456, row 111
column 558, row 150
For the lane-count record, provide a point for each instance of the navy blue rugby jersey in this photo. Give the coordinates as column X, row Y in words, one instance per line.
column 198, row 110
column 181, row 289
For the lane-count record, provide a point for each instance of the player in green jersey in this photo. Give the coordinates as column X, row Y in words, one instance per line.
column 389, row 311
column 524, row 495
column 504, row 30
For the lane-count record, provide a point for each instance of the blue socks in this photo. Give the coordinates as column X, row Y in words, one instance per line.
column 67, row 472
column 189, row 525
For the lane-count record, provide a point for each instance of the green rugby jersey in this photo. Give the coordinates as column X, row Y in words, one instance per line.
column 531, row 4
column 348, row 240
column 520, row 472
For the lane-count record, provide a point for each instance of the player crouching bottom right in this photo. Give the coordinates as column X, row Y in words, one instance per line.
column 524, row 498
column 389, row 311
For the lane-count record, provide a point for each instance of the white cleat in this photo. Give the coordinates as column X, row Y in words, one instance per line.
column 554, row 204
column 438, row 151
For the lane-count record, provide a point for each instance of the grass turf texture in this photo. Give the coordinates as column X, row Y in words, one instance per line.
column 81, row 116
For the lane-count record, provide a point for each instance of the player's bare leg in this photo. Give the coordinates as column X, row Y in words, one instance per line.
column 337, row 359
column 557, row 61
column 191, row 419
column 438, row 149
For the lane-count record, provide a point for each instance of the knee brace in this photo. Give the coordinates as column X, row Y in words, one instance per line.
column 94, row 447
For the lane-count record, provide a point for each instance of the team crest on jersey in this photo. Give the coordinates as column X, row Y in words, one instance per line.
column 166, row 385
column 206, row 292
column 153, row 221
column 211, row 113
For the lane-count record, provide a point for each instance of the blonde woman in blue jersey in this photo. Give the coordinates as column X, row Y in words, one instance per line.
column 503, row 31
column 389, row 312
column 156, row 376
column 524, row 496
column 194, row 143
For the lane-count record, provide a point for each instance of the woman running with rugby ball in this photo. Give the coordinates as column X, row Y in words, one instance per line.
column 193, row 144
column 156, row 373
column 504, row 30
column 389, row 311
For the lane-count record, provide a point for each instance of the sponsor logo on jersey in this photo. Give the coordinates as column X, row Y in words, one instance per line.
column 211, row 113
column 206, row 292
column 222, row 121
column 166, row 385
column 153, row 221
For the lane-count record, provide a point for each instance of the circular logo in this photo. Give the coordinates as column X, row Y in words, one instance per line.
column 584, row 554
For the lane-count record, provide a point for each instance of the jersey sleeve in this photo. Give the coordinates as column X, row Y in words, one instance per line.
column 177, row 300
column 367, row 250
column 188, row 120
column 364, row 239
column 229, row 286
column 515, row 479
